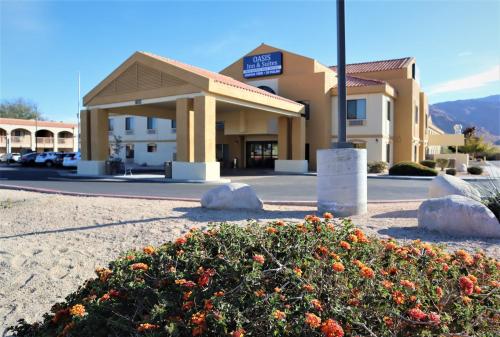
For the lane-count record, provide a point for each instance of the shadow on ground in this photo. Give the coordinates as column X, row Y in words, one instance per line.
column 200, row 214
column 399, row 214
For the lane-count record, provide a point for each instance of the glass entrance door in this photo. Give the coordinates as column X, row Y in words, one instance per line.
column 262, row 154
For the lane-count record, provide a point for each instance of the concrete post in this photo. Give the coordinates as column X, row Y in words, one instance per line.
column 85, row 135
column 283, row 138
column 204, row 126
column 298, row 138
column 99, row 141
column 184, row 116
column 342, row 181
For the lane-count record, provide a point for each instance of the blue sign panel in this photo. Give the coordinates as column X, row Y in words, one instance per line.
column 263, row 65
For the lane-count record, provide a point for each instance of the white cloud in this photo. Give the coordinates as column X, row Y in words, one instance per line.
column 468, row 82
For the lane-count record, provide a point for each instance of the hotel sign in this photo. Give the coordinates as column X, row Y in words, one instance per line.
column 263, row 65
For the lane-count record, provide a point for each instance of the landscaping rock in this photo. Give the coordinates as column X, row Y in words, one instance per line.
column 232, row 196
column 444, row 185
column 458, row 215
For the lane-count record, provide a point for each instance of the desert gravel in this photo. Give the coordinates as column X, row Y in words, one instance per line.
column 50, row 244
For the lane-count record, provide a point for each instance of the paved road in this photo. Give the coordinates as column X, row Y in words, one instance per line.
column 268, row 187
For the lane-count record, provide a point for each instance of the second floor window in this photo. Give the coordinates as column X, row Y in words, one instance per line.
column 111, row 124
column 151, row 123
column 356, row 109
column 129, row 123
column 173, row 124
column 388, row 110
column 416, row 114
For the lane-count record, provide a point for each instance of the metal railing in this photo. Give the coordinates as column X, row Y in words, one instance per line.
column 20, row 140
column 41, row 141
column 3, row 140
column 65, row 141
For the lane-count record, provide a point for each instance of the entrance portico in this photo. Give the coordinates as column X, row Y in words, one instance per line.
column 209, row 109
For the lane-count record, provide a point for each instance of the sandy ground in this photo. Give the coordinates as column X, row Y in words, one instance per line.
column 49, row 244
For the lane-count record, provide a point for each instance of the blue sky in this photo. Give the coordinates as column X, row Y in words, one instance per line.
column 43, row 44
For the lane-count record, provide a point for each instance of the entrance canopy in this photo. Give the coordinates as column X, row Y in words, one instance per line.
column 153, row 86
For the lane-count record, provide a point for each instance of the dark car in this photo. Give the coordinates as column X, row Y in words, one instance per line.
column 28, row 159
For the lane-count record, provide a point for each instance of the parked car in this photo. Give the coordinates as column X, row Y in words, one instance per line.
column 13, row 157
column 3, row 157
column 28, row 159
column 48, row 159
column 71, row 160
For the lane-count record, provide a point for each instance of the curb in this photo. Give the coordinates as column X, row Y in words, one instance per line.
column 124, row 196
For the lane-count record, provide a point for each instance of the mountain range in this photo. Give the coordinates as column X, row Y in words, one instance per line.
column 483, row 113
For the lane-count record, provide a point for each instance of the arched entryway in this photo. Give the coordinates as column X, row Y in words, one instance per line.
column 65, row 141
column 3, row 141
column 44, row 141
column 20, row 140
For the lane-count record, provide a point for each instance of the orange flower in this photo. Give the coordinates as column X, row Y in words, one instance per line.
column 147, row 326
column 367, row 272
column 260, row 293
column 466, row 299
column 445, row 267
column 417, row 314
column 335, row 256
column 103, row 273
column 259, row 258
column 209, row 305
column 238, row 333
column 388, row 321
column 198, row 318
column 271, row 230
column 149, row 250
column 186, row 295
column 219, row 294
column 322, row 250
column 180, row 241
column 398, row 297
column 464, row 257
column 312, row 320
column 439, row 292
column 467, row 285
column 279, row 315
column 139, row 266
column 345, row 245
column 104, row 298
column 328, row 215
column 280, row 223
column 331, row 328
column 358, row 264
column 297, row 271
column 277, row 290
column 338, row 267
column 352, row 238
column 317, row 304
column 308, row 287
column 407, row 284
column 477, row 290
column 361, row 236
column 472, row 278
column 387, row 284
column 313, row 218
column 77, row 310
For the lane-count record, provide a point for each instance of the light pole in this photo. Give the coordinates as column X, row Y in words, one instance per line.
column 342, row 170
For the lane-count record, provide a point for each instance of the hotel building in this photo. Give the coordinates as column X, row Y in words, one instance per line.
column 271, row 108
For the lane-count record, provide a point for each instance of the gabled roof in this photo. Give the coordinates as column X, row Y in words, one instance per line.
column 223, row 79
column 384, row 65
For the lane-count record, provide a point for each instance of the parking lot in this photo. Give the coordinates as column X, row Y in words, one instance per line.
column 268, row 186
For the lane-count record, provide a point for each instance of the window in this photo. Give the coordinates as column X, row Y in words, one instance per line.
column 129, row 151
column 388, row 152
column 306, row 109
column 219, row 125
column 152, row 148
column 268, row 89
column 151, row 123
column 111, row 124
column 416, row 114
column 356, row 109
column 388, row 110
column 359, row 145
column 129, row 123
column 415, row 154
column 173, row 125
column 414, row 71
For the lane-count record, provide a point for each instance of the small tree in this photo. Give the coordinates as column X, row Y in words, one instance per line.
column 116, row 148
column 442, row 163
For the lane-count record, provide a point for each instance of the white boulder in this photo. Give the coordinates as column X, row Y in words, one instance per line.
column 459, row 216
column 232, row 196
column 462, row 168
column 446, row 184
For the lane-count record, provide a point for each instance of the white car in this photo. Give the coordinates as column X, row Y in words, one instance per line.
column 71, row 160
column 3, row 157
column 48, row 159
column 12, row 157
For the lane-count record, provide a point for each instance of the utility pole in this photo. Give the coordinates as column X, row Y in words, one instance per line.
column 78, row 114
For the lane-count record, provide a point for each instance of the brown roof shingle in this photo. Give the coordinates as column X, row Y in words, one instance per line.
column 32, row 122
column 366, row 67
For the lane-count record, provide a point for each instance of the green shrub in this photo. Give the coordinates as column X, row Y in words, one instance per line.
column 429, row 163
column 377, row 166
column 317, row 278
column 411, row 169
column 442, row 163
column 451, row 172
column 476, row 170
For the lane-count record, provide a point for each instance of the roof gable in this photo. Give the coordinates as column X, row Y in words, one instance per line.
column 364, row 67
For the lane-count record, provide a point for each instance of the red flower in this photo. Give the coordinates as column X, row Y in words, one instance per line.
column 417, row 314
column 467, row 285
column 180, row 241
column 434, row 318
column 332, row 329
column 259, row 258
column 238, row 333
column 328, row 215
column 338, row 267
column 312, row 320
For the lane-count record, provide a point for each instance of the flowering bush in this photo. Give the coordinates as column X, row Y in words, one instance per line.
column 322, row 277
